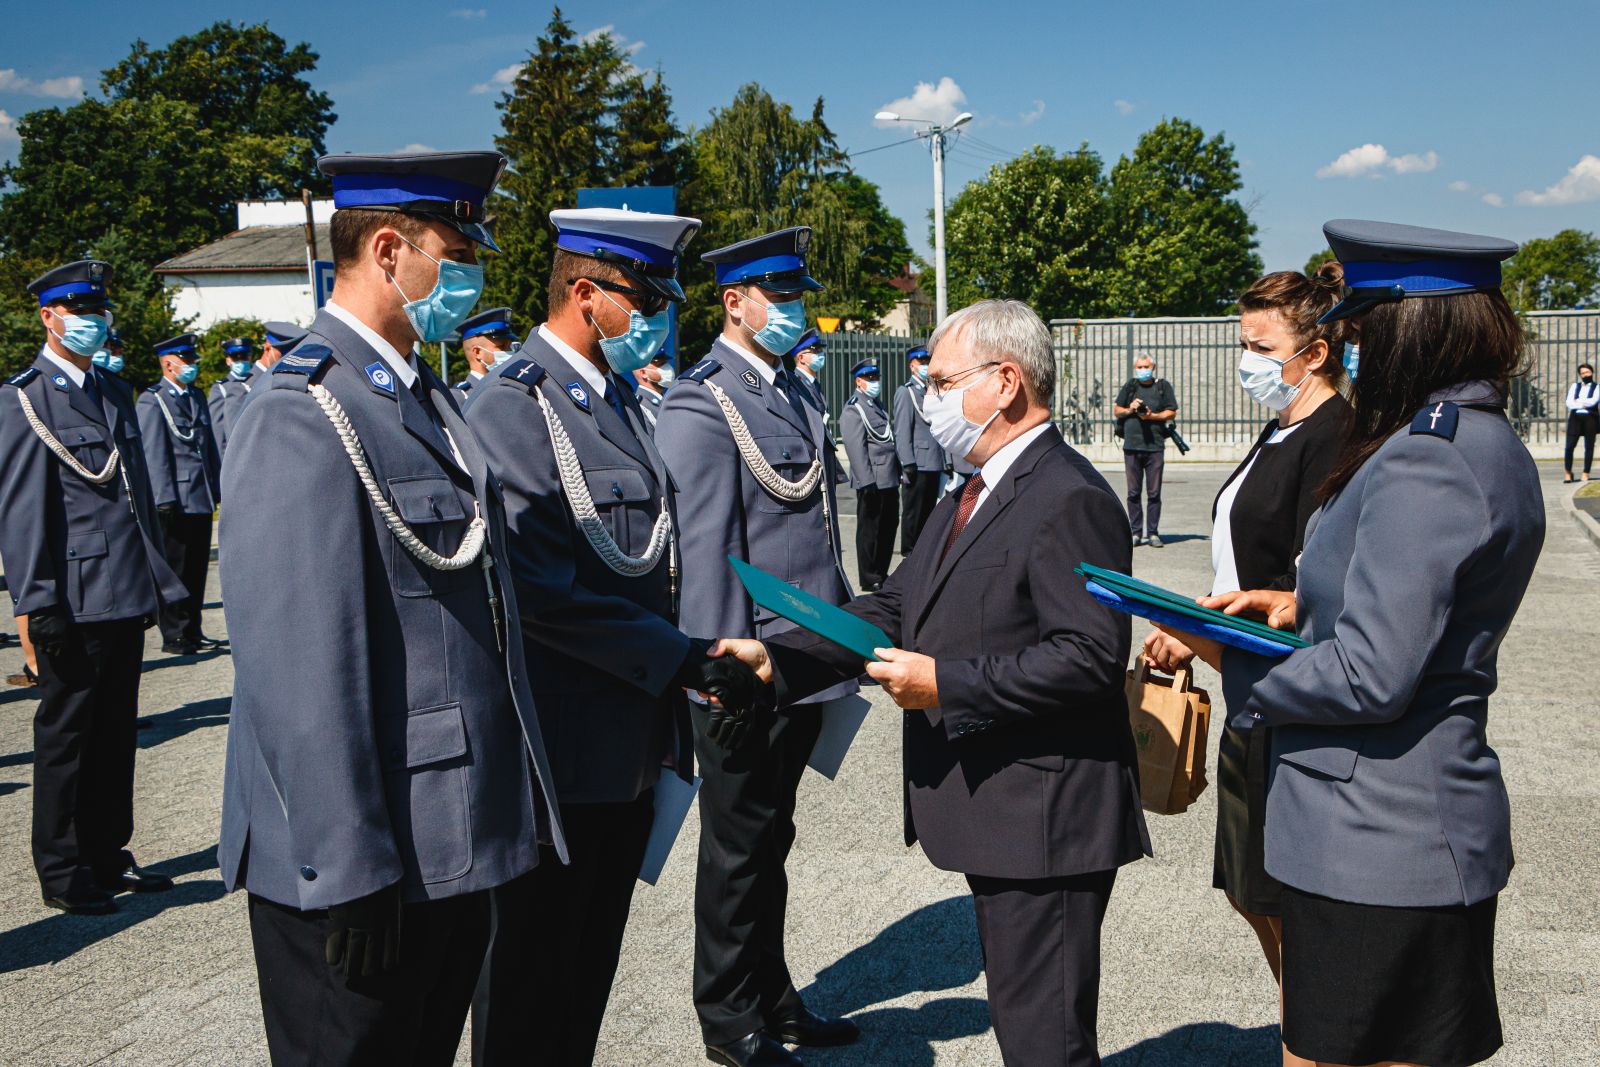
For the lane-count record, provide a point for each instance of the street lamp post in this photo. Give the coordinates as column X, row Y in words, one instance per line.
column 936, row 134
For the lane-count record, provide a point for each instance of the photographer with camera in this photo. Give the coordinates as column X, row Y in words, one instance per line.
column 1145, row 408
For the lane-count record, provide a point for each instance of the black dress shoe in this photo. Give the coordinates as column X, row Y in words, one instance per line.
column 805, row 1028
column 211, row 642
column 753, row 1050
column 83, row 902
column 136, row 880
column 180, row 648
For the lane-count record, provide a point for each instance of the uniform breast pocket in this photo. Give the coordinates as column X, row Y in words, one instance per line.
column 88, row 583
column 431, row 507
column 790, row 455
column 87, row 444
column 625, row 503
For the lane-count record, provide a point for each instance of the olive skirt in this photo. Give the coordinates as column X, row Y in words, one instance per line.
column 1240, row 864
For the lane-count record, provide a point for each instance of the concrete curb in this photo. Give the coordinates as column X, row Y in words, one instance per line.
column 1585, row 522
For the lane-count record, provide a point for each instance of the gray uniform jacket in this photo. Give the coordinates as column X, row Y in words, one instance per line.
column 382, row 732
column 91, row 552
column 811, row 391
column 869, row 443
column 725, row 511
column 913, row 440
column 649, row 406
column 224, row 401
column 185, row 467
column 464, row 390
column 1384, row 789
column 602, row 648
column 257, row 380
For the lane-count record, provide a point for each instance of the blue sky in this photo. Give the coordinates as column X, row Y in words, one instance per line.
column 1468, row 114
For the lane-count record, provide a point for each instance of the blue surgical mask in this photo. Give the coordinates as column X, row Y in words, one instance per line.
column 638, row 344
column 188, row 373
column 1352, row 359
column 82, row 334
column 1144, row 374
column 106, row 361
column 786, row 321
column 873, row 390
column 922, row 371
column 818, row 361
column 240, row 369
column 454, row 295
column 503, row 356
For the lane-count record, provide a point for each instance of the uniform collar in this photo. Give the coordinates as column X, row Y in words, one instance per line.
column 1473, row 392
column 768, row 372
column 580, row 363
column 73, row 374
column 402, row 366
column 476, row 375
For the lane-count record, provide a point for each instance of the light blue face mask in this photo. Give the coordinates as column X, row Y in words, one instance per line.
column 818, row 361
column 240, row 369
column 188, row 373
column 785, row 323
column 873, row 390
column 82, row 334
column 106, row 361
column 503, row 355
column 454, row 295
column 922, row 371
column 1144, row 374
column 638, row 344
column 1352, row 360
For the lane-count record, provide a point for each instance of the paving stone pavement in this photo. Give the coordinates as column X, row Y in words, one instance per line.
column 874, row 930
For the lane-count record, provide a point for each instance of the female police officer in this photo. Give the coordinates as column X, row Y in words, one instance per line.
column 1387, row 818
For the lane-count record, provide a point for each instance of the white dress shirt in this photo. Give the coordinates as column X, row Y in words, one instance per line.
column 586, row 370
column 1001, row 462
column 1583, row 396
column 73, row 374
column 767, row 371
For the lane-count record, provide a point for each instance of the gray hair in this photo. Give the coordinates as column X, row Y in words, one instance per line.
column 1007, row 330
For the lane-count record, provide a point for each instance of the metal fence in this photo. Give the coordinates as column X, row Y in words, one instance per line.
column 1200, row 356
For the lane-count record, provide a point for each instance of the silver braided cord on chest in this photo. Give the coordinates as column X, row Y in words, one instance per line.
column 765, row 474
column 173, row 426
column 882, row 438
column 472, row 543
column 60, row 450
column 575, row 487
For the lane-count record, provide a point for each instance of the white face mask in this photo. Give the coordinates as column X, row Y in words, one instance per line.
column 948, row 422
column 667, row 373
column 1262, row 378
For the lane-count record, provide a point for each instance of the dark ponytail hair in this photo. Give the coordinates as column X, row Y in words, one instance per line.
column 1411, row 349
column 1302, row 300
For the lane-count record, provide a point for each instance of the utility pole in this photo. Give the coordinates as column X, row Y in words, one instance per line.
column 936, row 134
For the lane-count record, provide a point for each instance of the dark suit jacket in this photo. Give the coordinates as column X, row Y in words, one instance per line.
column 1027, row 768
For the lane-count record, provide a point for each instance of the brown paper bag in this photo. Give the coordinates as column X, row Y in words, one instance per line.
column 1169, row 720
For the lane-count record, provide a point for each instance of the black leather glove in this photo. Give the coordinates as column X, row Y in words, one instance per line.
column 48, row 628
column 905, row 475
column 731, row 682
column 364, row 935
column 728, row 729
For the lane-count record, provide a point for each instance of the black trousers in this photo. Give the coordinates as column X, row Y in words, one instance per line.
column 83, row 750
column 1041, row 957
column 1143, row 470
column 920, row 497
column 1581, row 428
column 877, row 514
column 556, row 941
column 741, row 892
column 413, row 1016
column 187, row 542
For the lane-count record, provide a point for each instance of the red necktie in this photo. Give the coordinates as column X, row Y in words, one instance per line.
column 964, row 509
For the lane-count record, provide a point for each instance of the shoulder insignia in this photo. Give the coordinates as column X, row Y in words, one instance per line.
column 524, row 372
column 1440, row 420
column 461, row 386
column 305, row 359
column 23, row 378
column 750, row 381
column 579, row 394
column 60, row 382
column 702, row 370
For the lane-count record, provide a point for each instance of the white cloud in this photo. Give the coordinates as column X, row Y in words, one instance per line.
column 1369, row 160
column 1493, row 199
column 1580, row 185
column 414, row 147
column 1124, row 107
column 470, row 13
column 8, row 127
column 60, row 88
column 939, row 103
column 1028, row 118
column 1459, row 186
column 502, row 78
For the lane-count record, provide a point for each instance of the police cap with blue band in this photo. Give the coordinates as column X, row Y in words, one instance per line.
column 864, row 368
column 1385, row 262
column 447, row 187
column 645, row 246
column 283, row 335
column 181, row 346
column 238, row 346
column 811, row 339
column 916, row 352
column 775, row 262
column 80, row 284
column 493, row 321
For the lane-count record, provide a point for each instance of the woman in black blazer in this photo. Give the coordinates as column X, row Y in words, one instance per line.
column 1290, row 364
column 1583, row 418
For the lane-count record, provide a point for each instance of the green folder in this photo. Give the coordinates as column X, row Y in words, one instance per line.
column 810, row 613
column 1128, row 586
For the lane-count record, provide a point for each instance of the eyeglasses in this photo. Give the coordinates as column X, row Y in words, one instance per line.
column 650, row 304
column 940, row 385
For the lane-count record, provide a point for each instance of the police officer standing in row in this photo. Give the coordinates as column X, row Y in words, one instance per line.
column 109, row 358
column 593, row 552
column 923, row 464
column 226, row 394
column 488, row 340
column 809, row 357
column 651, row 381
column 280, row 338
column 385, row 766
column 78, row 542
column 186, row 475
column 874, row 474
column 755, row 479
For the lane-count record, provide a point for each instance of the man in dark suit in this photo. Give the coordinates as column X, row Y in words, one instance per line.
column 1019, row 764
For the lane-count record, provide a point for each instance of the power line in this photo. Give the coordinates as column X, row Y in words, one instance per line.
column 880, row 148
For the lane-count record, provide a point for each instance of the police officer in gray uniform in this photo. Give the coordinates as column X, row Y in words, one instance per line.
column 385, row 767
column 186, row 474
column 281, row 337
column 923, row 464
column 593, row 551
column 488, row 341
column 1387, row 815
column 227, row 393
column 874, row 474
column 78, row 541
column 754, row 480
column 810, row 355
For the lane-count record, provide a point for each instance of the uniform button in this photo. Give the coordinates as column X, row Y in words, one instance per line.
column 786, row 453
column 72, row 552
column 616, row 490
column 308, row 873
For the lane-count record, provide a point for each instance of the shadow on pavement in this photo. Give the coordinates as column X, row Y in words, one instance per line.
column 1172, row 539
column 7, row 788
column 179, row 721
column 903, row 1037
column 1204, row 1045
column 168, row 659
column 57, row 936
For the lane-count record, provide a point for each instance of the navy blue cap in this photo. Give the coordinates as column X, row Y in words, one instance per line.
column 447, row 187
column 774, row 261
column 864, row 368
column 916, row 352
column 181, row 345
column 810, row 339
column 235, row 345
column 81, row 283
column 495, row 320
column 1386, row 261
column 283, row 335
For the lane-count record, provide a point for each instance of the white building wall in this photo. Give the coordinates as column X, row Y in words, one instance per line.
column 282, row 212
column 284, row 296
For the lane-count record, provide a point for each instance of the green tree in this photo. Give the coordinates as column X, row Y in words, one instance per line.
column 1554, row 273
column 1181, row 242
column 213, row 361
column 1031, row 229
column 649, row 147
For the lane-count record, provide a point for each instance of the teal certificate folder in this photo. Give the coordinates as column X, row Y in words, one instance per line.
column 808, row 612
